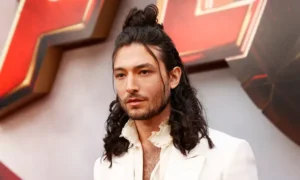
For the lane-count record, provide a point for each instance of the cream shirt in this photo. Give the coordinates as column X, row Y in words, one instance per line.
column 161, row 139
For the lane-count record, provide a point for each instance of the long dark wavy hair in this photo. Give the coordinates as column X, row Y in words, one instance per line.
column 187, row 121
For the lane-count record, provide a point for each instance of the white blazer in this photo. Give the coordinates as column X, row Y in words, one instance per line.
column 230, row 159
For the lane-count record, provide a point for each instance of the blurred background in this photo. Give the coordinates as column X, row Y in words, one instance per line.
column 60, row 136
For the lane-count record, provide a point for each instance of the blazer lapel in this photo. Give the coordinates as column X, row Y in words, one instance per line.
column 187, row 167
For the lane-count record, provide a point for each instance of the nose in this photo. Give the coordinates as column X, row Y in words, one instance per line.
column 132, row 85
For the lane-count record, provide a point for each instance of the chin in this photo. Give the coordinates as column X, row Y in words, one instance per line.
column 138, row 116
column 135, row 116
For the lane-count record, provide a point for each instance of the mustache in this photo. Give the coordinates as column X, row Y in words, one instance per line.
column 135, row 96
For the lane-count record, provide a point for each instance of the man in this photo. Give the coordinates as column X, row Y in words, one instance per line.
column 156, row 129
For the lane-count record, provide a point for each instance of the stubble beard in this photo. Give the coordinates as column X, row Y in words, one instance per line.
column 161, row 102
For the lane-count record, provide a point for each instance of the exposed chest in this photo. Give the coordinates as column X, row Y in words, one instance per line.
column 150, row 159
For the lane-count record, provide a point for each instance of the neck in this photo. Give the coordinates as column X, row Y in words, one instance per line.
column 146, row 127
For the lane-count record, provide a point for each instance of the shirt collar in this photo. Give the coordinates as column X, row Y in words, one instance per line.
column 160, row 139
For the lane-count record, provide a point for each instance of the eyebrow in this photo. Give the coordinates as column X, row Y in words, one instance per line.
column 145, row 65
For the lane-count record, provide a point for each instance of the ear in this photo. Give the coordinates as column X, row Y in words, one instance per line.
column 175, row 75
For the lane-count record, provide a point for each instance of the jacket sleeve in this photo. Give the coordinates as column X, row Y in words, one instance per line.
column 97, row 169
column 242, row 165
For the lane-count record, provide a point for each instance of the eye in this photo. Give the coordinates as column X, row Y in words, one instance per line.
column 120, row 75
column 144, row 72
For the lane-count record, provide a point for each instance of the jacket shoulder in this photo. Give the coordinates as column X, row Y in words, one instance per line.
column 227, row 148
column 100, row 168
column 236, row 155
column 224, row 141
column 232, row 157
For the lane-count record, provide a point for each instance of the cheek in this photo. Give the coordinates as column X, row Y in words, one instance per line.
column 150, row 85
column 155, row 90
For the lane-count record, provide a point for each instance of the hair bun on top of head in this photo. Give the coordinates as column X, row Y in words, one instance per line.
column 142, row 18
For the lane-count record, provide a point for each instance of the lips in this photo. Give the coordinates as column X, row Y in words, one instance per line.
column 134, row 101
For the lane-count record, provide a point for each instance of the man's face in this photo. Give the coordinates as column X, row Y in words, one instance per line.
column 141, row 83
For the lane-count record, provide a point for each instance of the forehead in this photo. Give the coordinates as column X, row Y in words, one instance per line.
column 135, row 54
